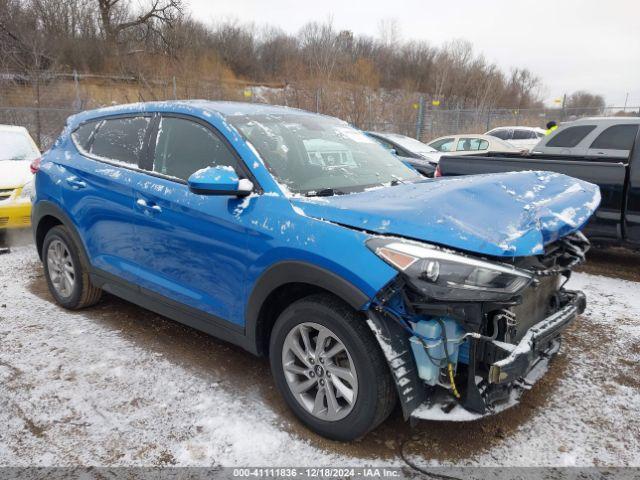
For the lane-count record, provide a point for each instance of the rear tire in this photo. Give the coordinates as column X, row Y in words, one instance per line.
column 343, row 395
column 66, row 273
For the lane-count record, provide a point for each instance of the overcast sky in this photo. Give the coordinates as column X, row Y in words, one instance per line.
column 572, row 45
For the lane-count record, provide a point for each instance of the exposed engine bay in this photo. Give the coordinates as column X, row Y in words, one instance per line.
column 455, row 359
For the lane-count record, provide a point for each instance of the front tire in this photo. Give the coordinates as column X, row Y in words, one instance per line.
column 67, row 275
column 329, row 368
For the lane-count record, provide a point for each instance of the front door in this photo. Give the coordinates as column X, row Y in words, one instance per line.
column 193, row 249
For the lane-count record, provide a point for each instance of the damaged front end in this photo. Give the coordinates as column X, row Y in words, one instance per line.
column 465, row 336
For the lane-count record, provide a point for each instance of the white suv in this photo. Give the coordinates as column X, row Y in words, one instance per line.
column 607, row 137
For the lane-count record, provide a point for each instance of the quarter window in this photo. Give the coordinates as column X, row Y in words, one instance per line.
column 617, row 137
column 184, row 147
column 120, row 139
column 83, row 135
column 570, row 137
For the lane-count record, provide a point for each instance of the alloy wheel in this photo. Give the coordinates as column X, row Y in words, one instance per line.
column 319, row 371
column 61, row 268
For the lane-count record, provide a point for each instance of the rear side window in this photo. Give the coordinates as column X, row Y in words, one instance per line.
column 570, row 137
column 120, row 139
column 523, row 134
column 617, row 137
column 502, row 134
column 472, row 144
column 184, row 147
column 83, row 135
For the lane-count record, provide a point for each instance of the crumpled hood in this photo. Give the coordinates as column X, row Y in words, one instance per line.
column 14, row 173
column 505, row 214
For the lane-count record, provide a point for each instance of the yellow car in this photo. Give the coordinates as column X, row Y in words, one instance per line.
column 17, row 152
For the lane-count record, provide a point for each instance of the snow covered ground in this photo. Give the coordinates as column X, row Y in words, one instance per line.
column 117, row 385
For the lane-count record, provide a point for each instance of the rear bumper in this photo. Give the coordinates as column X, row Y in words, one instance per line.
column 16, row 214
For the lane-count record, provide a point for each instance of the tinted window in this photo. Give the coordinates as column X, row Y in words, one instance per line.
column 120, row 139
column 472, row 144
column 570, row 137
column 617, row 137
column 523, row 135
column 502, row 134
column 184, row 147
column 444, row 145
column 83, row 135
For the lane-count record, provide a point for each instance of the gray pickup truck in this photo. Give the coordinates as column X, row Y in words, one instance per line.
column 617, row 220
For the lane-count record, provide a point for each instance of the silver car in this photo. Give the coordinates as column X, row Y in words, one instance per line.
column 607, row 137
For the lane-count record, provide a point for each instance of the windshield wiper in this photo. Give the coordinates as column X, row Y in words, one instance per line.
column 324, row 192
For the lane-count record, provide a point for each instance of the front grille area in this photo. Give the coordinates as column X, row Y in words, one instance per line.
column 4, row 221
column 538, row 302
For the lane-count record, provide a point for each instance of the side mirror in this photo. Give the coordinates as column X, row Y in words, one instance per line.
column 221, row 180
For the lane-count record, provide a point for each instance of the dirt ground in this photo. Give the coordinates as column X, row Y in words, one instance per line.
column 492, row 440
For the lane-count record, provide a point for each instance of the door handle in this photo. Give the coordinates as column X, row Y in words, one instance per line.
column 150, row 207
column 75, row 183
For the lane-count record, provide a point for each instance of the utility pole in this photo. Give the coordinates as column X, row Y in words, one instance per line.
column 626, row 99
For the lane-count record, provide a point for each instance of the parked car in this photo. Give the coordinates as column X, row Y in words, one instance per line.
column 17, row 151
column 411, row 151
column 616, row 222
column 600, row 137
column 471, row 144
column 520, row 137
column 364, row 285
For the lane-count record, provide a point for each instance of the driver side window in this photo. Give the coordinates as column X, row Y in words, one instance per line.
column 184, row 147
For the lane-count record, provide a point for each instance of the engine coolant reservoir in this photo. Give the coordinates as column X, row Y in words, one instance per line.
column 431, row 331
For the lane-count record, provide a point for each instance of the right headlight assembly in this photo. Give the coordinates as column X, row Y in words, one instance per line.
column 445, row 275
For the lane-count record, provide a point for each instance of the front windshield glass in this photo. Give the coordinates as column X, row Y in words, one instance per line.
column 313, row 154
column 410, row 144
column 16, row 146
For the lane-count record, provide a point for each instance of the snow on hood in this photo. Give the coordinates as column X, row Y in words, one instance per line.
column 14, row 173
column 505, row 214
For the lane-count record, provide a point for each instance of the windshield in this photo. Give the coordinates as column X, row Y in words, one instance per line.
column 312, row 154
column 409, row 143
column 16, row 146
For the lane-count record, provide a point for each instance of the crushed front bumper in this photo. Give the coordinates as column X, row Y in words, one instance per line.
column 536, row 342
column 519, row 367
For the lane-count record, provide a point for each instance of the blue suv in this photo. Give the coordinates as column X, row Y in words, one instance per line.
column 299, row 237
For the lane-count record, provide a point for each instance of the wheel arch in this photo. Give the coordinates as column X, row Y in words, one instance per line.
column 46, row 215
column 282, row 284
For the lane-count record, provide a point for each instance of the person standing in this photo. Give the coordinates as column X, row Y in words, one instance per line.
column 551, row 126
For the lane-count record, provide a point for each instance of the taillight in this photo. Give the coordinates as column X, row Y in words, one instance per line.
column 35, row 165
column 438, row 172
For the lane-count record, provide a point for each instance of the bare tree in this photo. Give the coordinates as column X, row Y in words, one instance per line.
column 117, row 16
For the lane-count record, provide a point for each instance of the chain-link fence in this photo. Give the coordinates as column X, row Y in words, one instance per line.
column 42, row 102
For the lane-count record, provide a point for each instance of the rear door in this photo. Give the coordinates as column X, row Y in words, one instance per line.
column 193, row 247
column 614, row 141
column 97, row 189
column 570, row 140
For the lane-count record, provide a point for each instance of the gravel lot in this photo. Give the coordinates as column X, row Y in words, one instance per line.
column 118, row 385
